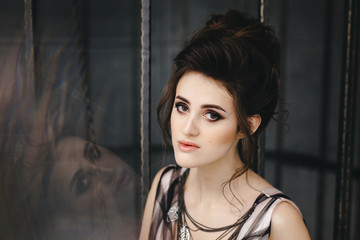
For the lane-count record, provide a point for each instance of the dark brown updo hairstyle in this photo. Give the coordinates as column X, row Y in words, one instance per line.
column 242, row 54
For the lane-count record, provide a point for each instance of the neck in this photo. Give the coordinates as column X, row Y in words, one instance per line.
column 206, row 182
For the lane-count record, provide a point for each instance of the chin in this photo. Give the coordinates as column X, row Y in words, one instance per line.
column 184, row 165
column 187, row 161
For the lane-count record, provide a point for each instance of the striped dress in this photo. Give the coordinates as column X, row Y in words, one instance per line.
column 256, row 224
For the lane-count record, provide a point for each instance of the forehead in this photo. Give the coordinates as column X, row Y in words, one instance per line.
column 197, row 86
column 69, row 146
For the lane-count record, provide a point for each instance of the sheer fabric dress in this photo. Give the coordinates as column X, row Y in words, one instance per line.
column 256, row 224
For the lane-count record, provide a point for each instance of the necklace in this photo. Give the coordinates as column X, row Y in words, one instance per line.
column 201, row 227
column 185, row 234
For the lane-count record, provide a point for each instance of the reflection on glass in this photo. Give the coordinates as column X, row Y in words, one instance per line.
column 69, row 197
column 49, row 188
column 97, row 197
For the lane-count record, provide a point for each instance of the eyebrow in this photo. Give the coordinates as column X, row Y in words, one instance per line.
column 202, row 106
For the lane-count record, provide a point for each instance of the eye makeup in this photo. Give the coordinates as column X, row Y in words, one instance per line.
column 80, row 182
column 213, row 116
column 182, row 106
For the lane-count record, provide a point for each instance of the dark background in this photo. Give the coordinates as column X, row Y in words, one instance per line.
column 300, row 155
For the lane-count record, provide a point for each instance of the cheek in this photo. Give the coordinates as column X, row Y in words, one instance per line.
column 174, row 122
column 223, row 136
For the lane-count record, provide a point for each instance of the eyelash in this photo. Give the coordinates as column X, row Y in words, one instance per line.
column 82, row 183
column 181, row 105
column 213, row 113
column 208, row 114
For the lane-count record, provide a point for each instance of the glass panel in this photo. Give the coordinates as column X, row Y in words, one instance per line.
column 52, row 186
column 304, row 149
column 311, row 34
column 55, row 183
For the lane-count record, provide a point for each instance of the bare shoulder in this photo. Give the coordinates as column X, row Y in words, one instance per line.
column 256, row 181
column 287, row 223
column 149, row 207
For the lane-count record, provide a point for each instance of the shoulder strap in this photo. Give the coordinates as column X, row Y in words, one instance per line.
column 166, row 195
column 258, row 224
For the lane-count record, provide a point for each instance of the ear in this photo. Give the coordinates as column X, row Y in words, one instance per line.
column 255, row 122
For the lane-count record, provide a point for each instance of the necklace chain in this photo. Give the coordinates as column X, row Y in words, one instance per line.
column 205, row 228
column 183, row 214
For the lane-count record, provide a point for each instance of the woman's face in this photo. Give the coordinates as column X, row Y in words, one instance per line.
column 81, row 183
column 203, row 122
column 82, row 195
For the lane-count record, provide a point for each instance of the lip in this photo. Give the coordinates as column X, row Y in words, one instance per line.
column 187, row 146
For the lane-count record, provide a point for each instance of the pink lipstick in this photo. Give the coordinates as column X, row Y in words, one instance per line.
column 187, row 146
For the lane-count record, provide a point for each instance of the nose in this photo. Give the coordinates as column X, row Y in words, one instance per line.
column 106, row 174
column 191, row 127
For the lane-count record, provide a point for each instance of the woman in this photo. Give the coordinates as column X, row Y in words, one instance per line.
column 53, row 189
column 221, row 95
column 51, row 186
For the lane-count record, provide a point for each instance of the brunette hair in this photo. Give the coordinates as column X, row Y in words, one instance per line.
column 242, row 54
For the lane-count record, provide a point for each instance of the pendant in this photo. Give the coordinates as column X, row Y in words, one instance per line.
column 184, row 233
column 172, row 214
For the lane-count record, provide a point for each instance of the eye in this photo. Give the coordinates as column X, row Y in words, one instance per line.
column 213, row 116
column 82, row 183
column 181, row 107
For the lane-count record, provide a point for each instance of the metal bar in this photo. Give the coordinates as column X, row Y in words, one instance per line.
column 279, row 126
column 346, row 122
column 29, row 47
column 145, row 99
column 263, row 11
column 325, row 86
column 81, row 16
column 263, row 15
column 260, row 155
column 135, row 83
